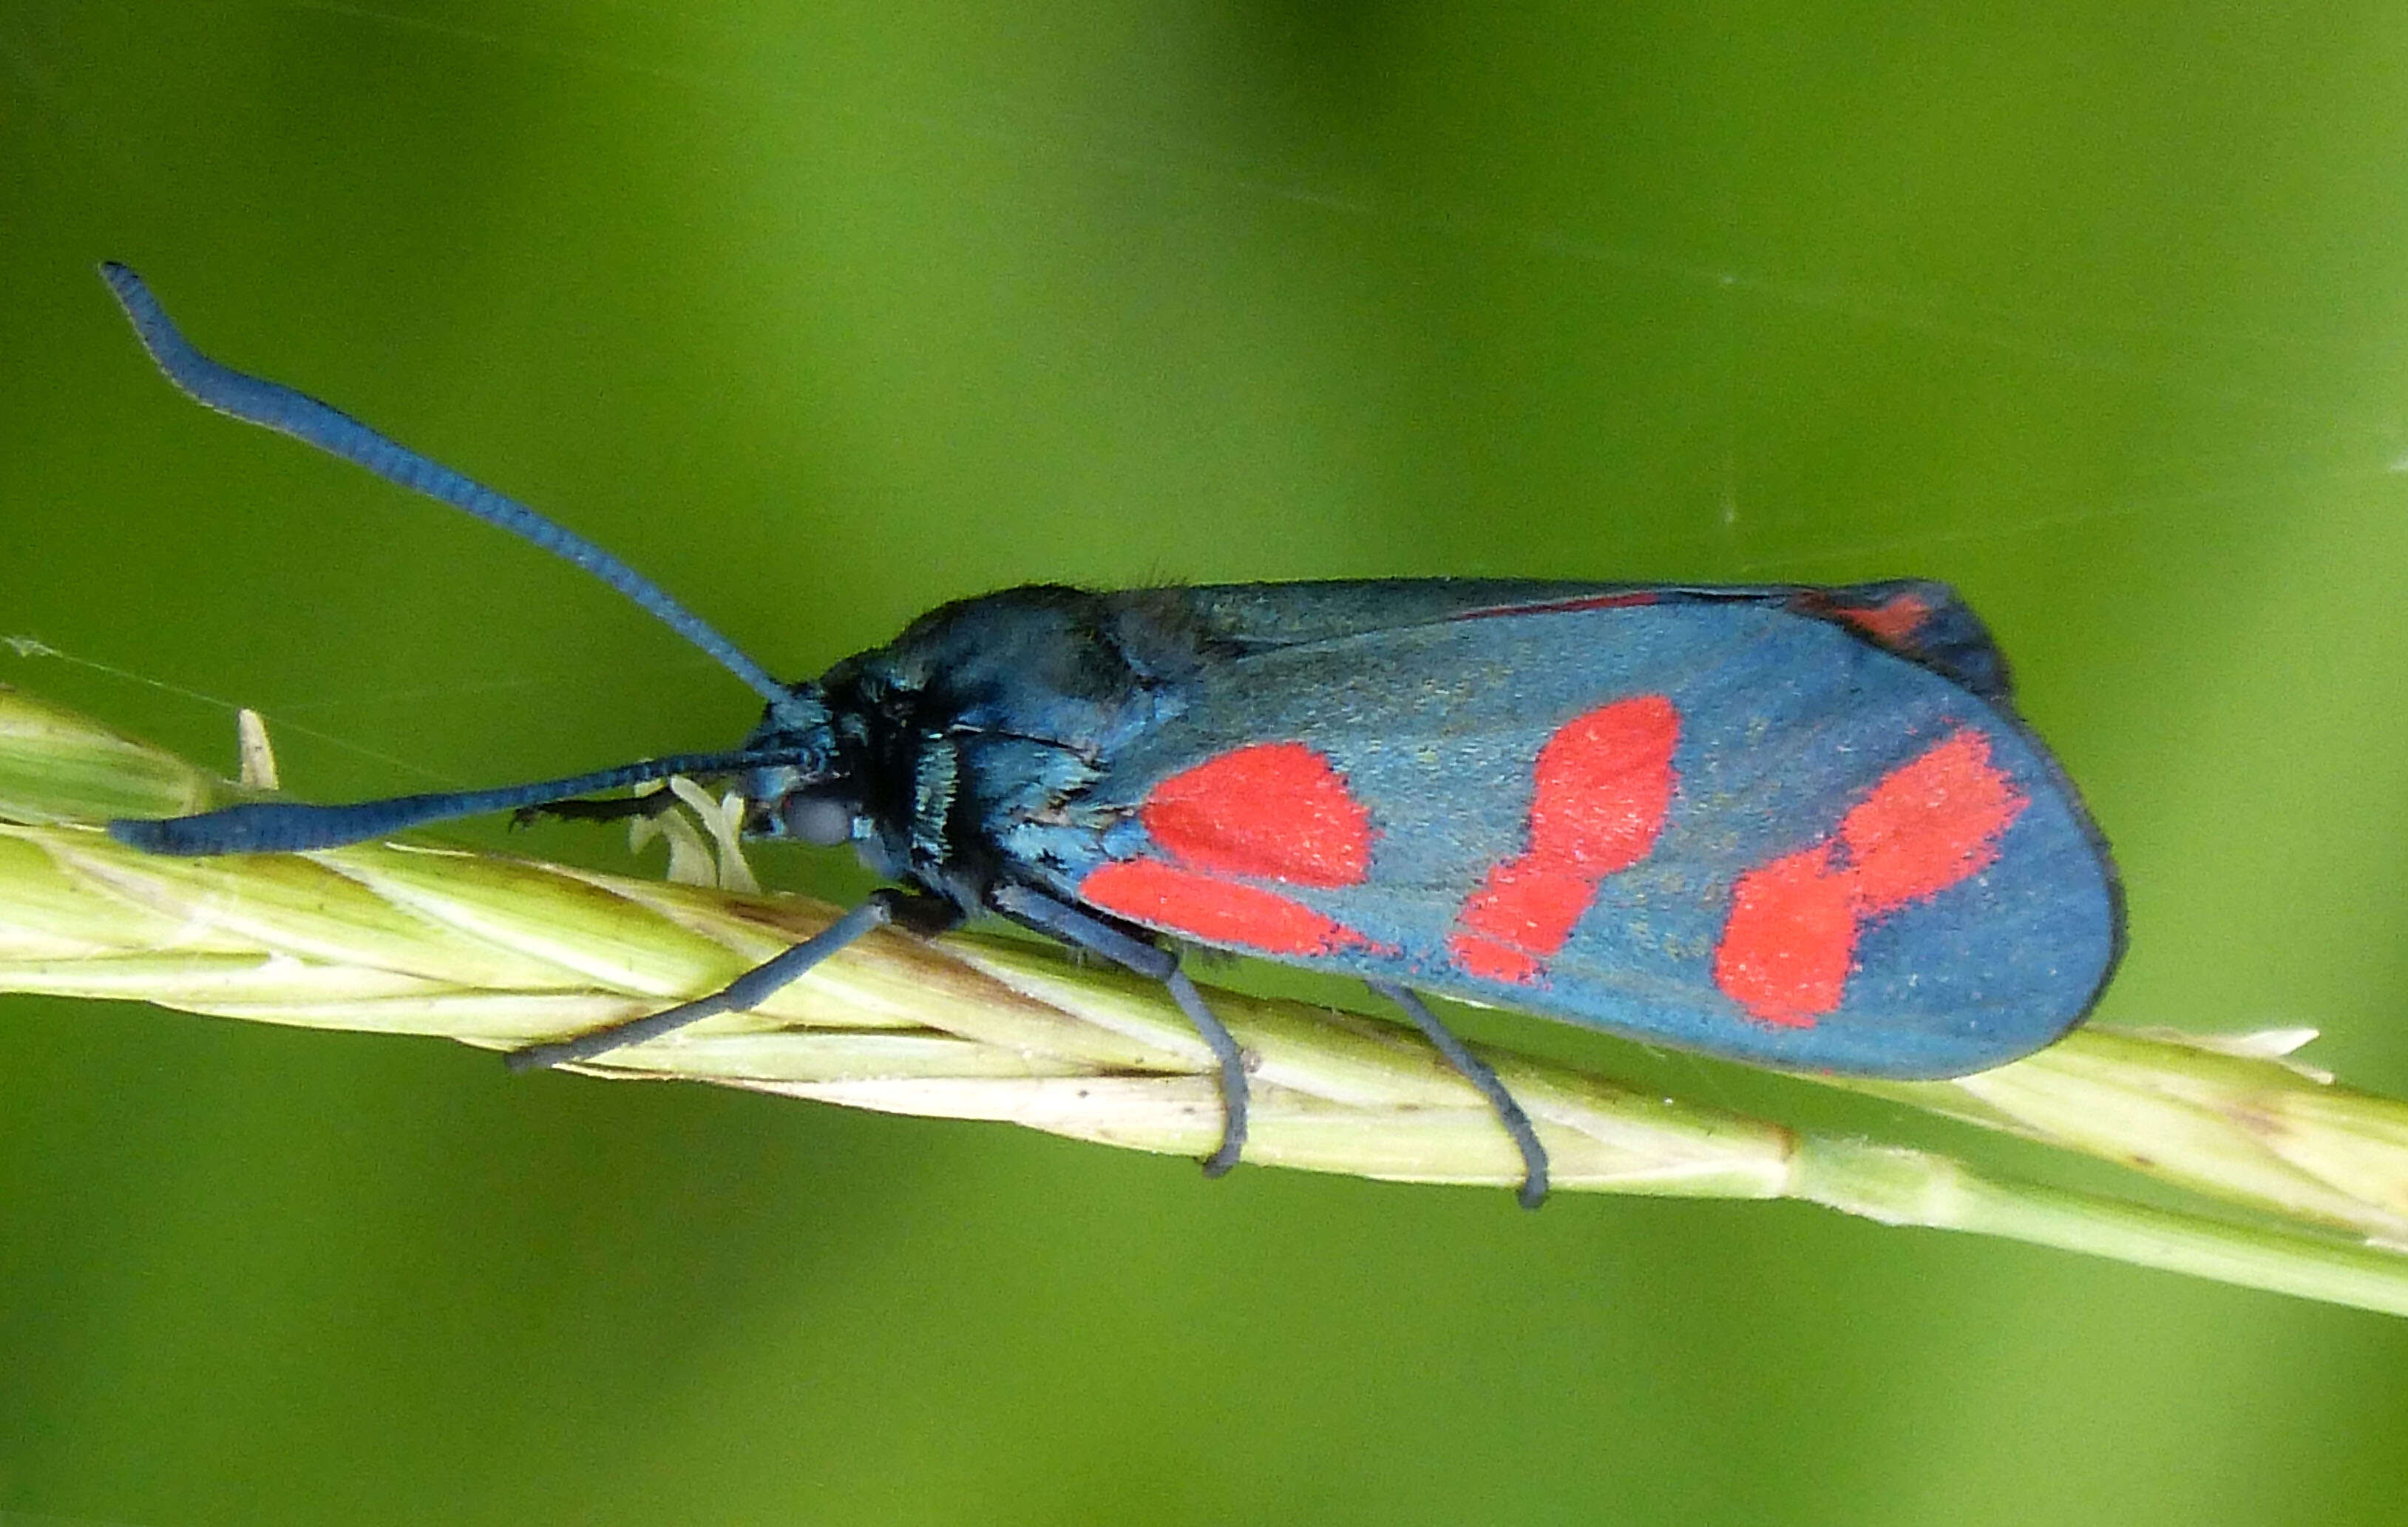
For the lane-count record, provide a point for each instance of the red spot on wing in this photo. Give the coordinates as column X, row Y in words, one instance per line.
column 1277, row 811
column 1602, row 786
column 1216, row 911
column 1930, row 824
column 1792, row 935
column 1893, row 624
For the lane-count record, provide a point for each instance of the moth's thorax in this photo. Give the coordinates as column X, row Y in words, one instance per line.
column 989, row 713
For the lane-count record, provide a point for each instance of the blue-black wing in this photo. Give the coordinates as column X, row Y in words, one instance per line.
column 1919, row 619
column 1743, row 821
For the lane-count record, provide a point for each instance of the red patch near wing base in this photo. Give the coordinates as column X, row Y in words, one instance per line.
column 1216, row 910
column 1930, row 824
column 1602, row 786
column 1276, row 810
column 1272, row 811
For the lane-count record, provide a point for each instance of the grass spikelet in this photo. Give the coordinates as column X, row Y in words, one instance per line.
column 498, row 952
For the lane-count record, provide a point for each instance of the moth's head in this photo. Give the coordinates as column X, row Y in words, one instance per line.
column 808, row 796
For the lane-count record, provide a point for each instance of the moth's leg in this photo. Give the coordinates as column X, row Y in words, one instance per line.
column 1476, row 1070
column 922, row 914
column 1084, row 931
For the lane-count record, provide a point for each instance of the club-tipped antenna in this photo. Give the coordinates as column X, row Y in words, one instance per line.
column 275, row 406
column 281, row 826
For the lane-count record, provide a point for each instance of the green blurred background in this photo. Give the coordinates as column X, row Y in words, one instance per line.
column 825, row 315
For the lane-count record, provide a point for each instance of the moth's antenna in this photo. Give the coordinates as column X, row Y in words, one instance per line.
column 278, row 826
column 259, row 401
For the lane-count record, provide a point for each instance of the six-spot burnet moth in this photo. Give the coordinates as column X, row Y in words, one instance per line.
column 1796, row 826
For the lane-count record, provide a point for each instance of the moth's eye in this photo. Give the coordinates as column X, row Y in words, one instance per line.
column 821, row 821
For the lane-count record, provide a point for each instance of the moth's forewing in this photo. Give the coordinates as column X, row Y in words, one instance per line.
column 1794, row 741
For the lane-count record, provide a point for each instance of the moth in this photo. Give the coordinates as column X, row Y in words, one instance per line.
column 1802, row 827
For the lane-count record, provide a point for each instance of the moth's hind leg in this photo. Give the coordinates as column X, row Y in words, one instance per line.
column 924, row 916
column 1084, row 931
column 1478, row 1072
column 1223, row 1046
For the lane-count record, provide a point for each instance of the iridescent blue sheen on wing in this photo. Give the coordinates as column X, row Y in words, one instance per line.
column 1431, row 702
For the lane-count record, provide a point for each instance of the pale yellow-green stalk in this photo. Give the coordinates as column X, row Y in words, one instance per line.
column 496, row 951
